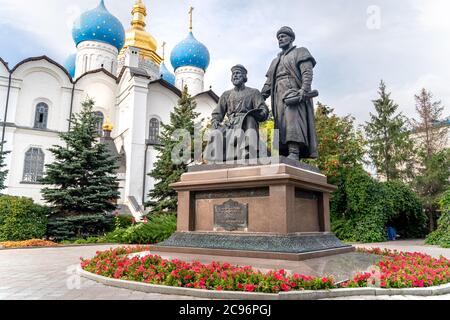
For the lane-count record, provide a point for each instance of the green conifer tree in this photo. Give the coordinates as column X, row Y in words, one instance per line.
column 3, row 172
column 388, row 137
column 82, row 178
column 166, row 171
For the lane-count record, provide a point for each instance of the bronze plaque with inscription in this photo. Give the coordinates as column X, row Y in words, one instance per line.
column 231, row 216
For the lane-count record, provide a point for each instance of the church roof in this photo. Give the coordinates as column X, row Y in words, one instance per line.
column 99, row 25
column 190, row 52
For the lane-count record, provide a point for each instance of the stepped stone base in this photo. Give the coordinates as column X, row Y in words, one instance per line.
column 275, row 211
column 294, row 247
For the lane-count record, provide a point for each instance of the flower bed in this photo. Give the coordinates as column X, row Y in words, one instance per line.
column 395, row 270
column 28, row 244
column 215, row 276
column 403, row 270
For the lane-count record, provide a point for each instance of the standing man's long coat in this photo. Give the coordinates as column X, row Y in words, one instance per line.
column 289, row 72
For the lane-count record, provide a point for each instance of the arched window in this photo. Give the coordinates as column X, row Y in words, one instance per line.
column 100, row 119
column 34, row 165
column 41, row 116
column 154, row 131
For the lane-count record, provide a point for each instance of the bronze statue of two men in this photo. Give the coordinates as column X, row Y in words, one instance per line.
column 288, row 84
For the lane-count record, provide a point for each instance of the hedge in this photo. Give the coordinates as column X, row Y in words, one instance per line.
column 22, row 219
column 362, row 208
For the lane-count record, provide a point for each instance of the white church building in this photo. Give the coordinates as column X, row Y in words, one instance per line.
column 132, row 88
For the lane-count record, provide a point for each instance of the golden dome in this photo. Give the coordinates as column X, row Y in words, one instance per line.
column 108, row 126
column 137, row 37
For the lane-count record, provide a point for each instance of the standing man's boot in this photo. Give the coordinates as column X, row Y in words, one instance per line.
column 294, row 151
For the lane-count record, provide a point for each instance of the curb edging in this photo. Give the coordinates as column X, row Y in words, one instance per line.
column 292, row 295
column 63, row 246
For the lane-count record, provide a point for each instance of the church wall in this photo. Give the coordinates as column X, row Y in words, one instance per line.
column 35, row 82
column 103, row 90
column 21, row 142
column 135, row 139
column 4, row 79
column 161, row 102
column 205, row 106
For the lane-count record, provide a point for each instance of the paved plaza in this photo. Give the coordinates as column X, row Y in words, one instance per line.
column 50, row 274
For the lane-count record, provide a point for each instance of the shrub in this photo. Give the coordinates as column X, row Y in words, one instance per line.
column 358, row 210
column 79, row 227
column 362, row 208
column 407, row 216
column 157, row 229
column 21, row 219
column 124, row 221
column 441, row 236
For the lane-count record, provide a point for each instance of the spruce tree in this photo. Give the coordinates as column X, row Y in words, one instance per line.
column 82, row 179
column 389, row 142
column 433, row 159
column 3, row 172
column 432, row 136
column 166, row 171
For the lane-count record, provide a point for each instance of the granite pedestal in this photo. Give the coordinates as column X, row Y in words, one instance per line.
column 275, row 211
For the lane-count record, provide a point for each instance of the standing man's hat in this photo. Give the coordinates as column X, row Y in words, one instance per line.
column 239, row 67
column 286, row 30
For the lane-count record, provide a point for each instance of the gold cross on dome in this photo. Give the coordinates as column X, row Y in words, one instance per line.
column 191, row 10
column 164, row 49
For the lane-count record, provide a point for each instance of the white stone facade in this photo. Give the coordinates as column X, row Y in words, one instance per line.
column 192, row 77
column 130, row 101
column 93, row 55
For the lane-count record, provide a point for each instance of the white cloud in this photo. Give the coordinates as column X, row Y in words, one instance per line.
column 409, row 51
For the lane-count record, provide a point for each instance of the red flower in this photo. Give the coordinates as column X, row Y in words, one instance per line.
column 249, row 287
column 285, row 287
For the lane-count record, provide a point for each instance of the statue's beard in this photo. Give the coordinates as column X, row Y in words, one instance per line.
column 238, row 83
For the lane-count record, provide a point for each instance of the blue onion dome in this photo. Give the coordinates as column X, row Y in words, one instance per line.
column 166, row 74
column 190, row 52
column 69, row 64
column 99, row 25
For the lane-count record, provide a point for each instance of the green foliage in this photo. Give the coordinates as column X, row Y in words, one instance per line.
column 89, row 240
column 432, row 181
column 407, row 215
column 267, row 128
column 362, row 208
column 166, row 171
column 389, row 141
column 21, row 219
column 441, row 236
column 157, row 229
column 430, row 138
column 340, row 144
column 123, row 221
column 82, row 179
column 3, row 173
column 79, row 226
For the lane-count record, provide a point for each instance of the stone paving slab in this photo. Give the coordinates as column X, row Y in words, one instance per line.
column 50, row 274
column 409, row 246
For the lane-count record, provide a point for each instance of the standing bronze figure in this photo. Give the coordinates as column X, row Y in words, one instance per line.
column 289, row 81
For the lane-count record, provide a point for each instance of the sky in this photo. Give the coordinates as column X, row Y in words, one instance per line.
column 356, row 43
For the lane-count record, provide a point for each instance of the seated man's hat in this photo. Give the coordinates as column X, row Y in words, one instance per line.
column 286, row 30
column 239, row 67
